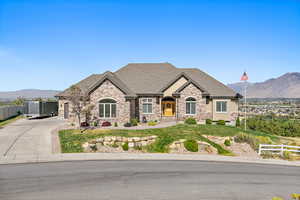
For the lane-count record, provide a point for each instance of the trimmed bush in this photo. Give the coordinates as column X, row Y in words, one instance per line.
column 125, row 146
column 106, row 123
column 134, row 122
column 116, row 124
column 128, row 124
column 221, row 122
column 152, row 123
column 238, row 122
column 208, row 121
column 190, row 120
column 227, row 142
column 191, row 145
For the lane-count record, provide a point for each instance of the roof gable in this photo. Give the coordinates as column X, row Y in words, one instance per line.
column 114, row 80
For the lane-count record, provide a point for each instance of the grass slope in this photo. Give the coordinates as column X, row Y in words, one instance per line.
column 72, row 140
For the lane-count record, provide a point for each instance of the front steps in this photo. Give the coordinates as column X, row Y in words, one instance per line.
column 168, row 119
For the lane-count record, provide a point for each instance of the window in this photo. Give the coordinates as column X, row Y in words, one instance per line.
column 147, row 106
column 107, row 108
column 190, row 106
column 221, row 106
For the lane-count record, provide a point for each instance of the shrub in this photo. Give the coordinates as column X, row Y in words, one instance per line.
column 138, row 148
column 227, row 142
column 287, row 155
column 190, row 120
column 114, row 145
column 94, row 147
column 116, row 124
column 134, row 122
column 238, row 122
column 84, row 124
column 106, row 123
column 251, row 140
column 221, row 122
column 128, row 124
column 125, row 146
column 152, row 123
column 191, row 145
column 95, row 123
column 263, row 140
column 295, row 196
column 208, row 121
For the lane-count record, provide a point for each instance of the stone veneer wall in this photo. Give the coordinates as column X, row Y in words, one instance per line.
column 61, row 107
column 156, row 109
column 202, row 112
column 109, row 90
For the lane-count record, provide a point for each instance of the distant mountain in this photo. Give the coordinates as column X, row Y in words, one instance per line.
column 285, row 86
column 28, row 94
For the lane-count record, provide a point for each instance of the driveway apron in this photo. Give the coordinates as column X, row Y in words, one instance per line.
column 28, row 137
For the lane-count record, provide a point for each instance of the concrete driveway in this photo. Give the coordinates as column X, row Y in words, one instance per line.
column 28, row 137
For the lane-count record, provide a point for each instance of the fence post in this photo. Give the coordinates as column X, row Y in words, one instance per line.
column 281, row 149
column 259, row 149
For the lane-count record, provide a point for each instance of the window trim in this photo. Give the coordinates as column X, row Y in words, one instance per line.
column 147, row 102
column 110, row 108
column 221, row 107
column 195, row 102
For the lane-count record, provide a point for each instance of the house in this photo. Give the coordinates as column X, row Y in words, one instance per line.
column 154, row 91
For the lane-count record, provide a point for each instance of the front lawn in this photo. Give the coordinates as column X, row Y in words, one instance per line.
column 10, row 120
column 72, row 140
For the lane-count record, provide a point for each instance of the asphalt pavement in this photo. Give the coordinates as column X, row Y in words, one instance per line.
column 125, row 179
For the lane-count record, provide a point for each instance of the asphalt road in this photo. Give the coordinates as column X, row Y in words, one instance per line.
column 86, row 180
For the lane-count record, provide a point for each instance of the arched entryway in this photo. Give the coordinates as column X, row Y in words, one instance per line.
column 168, row 106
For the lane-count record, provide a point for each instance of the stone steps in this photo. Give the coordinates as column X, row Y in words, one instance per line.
column 168, row 119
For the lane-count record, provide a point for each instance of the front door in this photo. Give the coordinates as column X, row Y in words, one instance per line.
column 168, row 108
column 66, row 110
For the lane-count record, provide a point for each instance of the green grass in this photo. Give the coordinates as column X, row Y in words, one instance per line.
column 10, row 120
column 72, row 140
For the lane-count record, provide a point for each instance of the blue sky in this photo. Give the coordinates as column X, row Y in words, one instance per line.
column 52, row 44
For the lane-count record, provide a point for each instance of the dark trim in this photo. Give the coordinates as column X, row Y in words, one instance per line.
column 195, row 84
column 149, row 94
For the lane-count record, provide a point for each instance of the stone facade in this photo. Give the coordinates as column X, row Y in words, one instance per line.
column 156, row 109
column 107, row 90
column 202, row 112
column 204, row 109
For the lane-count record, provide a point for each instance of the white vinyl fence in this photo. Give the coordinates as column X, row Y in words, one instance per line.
column 279, row 149
column 10, row 111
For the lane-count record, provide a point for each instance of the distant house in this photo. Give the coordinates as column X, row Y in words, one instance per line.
column 154, row 91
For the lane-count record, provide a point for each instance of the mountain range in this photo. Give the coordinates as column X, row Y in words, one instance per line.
column 285, row 86
column 28, row 94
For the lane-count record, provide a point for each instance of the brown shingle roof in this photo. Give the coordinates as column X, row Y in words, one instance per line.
column 152, row 78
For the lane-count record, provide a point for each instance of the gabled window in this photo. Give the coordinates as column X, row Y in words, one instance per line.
column 190, row 103
column 221, row 106
column 147, row 105
column 107, row 108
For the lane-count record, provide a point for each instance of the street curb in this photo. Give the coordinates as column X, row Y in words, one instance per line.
column 136, row 157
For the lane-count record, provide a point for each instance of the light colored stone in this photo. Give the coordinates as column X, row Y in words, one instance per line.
column 130, row 144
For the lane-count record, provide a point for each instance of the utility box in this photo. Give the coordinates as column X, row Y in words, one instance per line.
column 41, row 108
